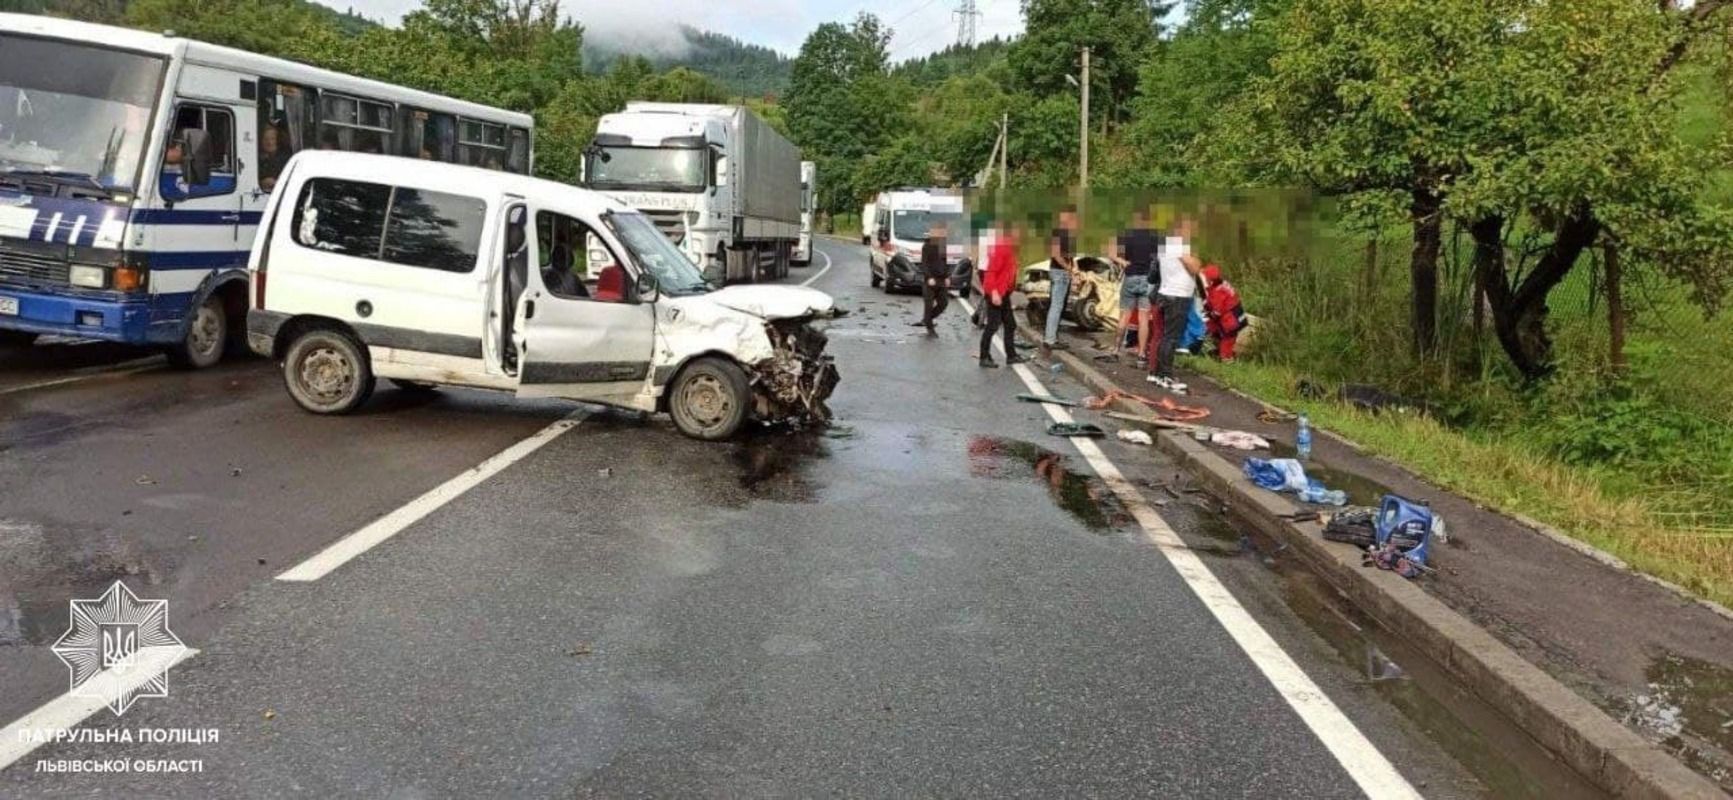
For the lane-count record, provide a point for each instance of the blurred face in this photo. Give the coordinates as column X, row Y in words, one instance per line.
column 1185, row 228
column 268, row 140
column 937, row 232
column 1067, row 219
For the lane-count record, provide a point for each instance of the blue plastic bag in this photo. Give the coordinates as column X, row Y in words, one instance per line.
column 1194, row 329
column 1277, row 474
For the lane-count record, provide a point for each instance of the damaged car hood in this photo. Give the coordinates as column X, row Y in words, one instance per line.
column 775, row 302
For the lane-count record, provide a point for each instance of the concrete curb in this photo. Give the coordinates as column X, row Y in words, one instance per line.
column 1600, row 749
column 1559, row 537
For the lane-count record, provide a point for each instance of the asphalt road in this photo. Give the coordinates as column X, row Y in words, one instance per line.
column 935, row 598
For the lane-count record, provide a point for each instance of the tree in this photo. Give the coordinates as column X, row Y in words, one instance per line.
column 842, row 104
column 1119, row 33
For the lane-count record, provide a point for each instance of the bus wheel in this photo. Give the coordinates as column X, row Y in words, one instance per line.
column 17, row 338
column 710, row 399
column 207, row 335
column 327, row 372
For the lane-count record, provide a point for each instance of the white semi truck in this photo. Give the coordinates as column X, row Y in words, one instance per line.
column 721, row 183
column 808, row 212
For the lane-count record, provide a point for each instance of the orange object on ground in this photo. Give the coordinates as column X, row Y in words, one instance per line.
column 1164, row 407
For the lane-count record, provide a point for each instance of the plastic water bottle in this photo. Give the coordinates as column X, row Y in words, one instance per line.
column 1303, row 440
column 1324, row 497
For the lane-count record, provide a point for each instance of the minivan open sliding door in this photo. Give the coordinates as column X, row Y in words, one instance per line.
column 580, row 332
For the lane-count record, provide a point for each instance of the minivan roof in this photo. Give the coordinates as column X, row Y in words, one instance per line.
column 441, row 177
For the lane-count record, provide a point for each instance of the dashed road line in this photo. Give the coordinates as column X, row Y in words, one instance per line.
column 1369, row 769
column 371, row 535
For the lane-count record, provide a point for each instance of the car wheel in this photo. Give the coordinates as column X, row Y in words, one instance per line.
column 207, row 336
column 414, row 387
column 710, row 400
column 26, row 338
column 1036, row 311
column 1083, row 312
column 327, row 372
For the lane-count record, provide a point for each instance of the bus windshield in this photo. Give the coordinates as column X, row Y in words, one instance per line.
column 74, row 114
column 654, row 169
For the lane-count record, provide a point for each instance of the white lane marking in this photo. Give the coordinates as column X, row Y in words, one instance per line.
column 65, row 712
column 1374, row 773
column 369, row 536
column 123, row 368
column 820, row 273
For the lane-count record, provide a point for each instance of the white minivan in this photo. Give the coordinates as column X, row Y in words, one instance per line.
column 430, row 274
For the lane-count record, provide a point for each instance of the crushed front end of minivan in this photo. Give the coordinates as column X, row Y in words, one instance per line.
column 793, row 385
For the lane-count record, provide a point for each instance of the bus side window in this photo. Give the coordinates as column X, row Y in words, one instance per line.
column 518, row 155
column 216, row 128
column 285, row 127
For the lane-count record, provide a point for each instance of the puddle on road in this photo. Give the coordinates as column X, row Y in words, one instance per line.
column 39, row 574
column 1083, row 496
column 1689, row 711
column 1470, row 732
column 773, row 463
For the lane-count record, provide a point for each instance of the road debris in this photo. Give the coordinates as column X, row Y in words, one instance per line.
column 1135, row 437
column 1048, row 399
column 1239, row 440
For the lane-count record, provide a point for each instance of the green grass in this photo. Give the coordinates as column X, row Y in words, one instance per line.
column 1512, row 475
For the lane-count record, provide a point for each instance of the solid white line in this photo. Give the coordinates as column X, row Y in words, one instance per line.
column 820, row 273
column 348, row 547
column 1374, row 773
column 64, row 713
column 126, row 368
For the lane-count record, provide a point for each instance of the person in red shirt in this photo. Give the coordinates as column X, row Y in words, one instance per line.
column 1225, row 317
column 996, row 287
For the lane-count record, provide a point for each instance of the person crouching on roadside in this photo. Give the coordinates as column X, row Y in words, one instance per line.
column 996, row 285
column 1225, row 316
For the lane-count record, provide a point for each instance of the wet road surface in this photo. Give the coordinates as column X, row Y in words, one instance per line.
column 932, row 598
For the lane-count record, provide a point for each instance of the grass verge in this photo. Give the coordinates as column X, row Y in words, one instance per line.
column 1515, row 477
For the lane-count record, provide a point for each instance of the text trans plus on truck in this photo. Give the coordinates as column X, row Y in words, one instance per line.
column 134, row 168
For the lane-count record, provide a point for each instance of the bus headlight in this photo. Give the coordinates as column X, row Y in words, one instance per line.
column 88, row 277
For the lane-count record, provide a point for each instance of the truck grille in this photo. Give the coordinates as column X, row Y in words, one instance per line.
column 670, row 223
column 30, row 268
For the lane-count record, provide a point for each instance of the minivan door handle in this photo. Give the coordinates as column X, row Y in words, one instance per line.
column 529, row 309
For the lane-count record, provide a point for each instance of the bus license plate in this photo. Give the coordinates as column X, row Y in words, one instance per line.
column 9, row 306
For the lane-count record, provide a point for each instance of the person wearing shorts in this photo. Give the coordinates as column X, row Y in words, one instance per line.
column 1135, row 252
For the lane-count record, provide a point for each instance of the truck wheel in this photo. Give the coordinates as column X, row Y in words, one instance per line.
column 710, row 399
column 26, row 338
column 207, row 336
column 327, row 372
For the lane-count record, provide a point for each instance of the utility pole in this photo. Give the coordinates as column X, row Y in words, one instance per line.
column 966, row 14
column 1004, row 146
column 1083, row 125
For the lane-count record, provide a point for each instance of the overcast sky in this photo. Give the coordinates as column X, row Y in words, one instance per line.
column 921, row 26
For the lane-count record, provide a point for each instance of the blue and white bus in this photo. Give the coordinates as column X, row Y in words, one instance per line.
column 134, row 169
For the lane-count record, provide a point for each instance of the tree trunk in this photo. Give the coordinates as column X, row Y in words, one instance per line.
column 1369, row 271
column 1426, row 209
column 1519, row 313
column 1615, row 310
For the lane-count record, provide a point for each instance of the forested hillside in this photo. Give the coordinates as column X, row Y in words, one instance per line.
column 746, row 70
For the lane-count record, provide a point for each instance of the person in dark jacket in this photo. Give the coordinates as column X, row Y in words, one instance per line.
column 996, row 285
column 935, row 277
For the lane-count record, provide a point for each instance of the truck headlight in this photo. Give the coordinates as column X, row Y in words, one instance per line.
column 88, row 277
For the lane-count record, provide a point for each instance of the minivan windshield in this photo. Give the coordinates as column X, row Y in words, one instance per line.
column 74, row 112
column 675, row 274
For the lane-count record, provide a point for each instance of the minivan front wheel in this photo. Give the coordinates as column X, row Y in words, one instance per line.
column 710, row 400
column 327, row 372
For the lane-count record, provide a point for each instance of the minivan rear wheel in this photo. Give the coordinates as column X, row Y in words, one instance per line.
column 710, row 400
column 327, row 372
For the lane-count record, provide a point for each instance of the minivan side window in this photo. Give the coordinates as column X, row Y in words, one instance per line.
column 412, row 227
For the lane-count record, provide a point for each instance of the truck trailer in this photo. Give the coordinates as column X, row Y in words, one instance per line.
column 718, row 181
